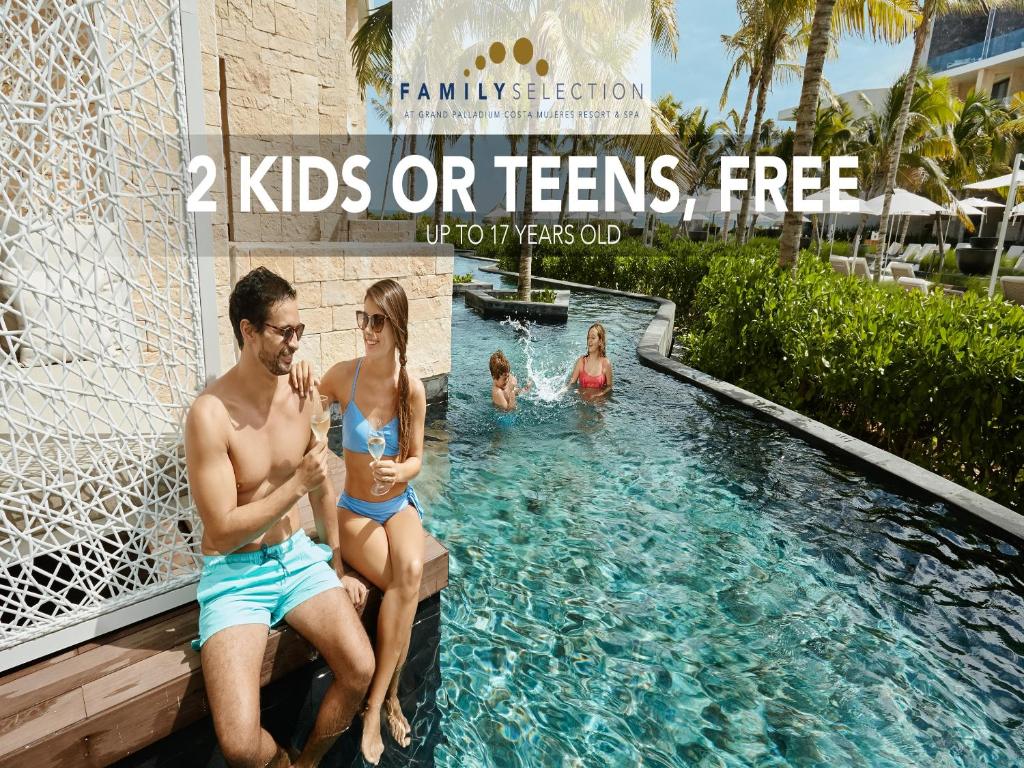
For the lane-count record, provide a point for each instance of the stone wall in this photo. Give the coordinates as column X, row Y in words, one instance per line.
column 331, row 279
column 280, row 73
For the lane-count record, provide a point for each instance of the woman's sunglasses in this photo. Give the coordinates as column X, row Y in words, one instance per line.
column 376, row 322
column 288, row 331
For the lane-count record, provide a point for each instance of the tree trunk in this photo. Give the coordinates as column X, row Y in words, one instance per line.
column 387, row 176
column 412, row 174
column 803, row 143
column 438, row 143
column 941, row 237
column 921, row 35
column 526, row 248
column 752, row 81
column 513, row 144
column 562, row 213
column 755, row 76
column 471, row 136
column 755, row 140
column 903, row 232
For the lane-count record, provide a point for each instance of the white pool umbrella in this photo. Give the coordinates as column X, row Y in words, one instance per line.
column 999, row 182
column 981, row 202
column 710, row 203
column 906, row 203
column 825, row 196
column 961, row 206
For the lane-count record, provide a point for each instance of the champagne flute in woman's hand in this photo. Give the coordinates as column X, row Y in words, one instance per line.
column 375, row 445
column 320, row 416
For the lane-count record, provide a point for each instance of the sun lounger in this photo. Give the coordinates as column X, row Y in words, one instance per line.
column 1013, row 289
column 912, row 254
column 859, row 267
column 840, row 264
column 902, row 269
column 914, row 284
column 1016, row 252
column 1019, row 266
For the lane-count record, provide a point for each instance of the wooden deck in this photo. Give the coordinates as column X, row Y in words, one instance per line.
column 94, row 704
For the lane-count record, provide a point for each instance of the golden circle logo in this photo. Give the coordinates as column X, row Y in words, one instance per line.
column 522, row 52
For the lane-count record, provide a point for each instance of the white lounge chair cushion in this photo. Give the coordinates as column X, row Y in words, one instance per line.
column 68, row 290
column 1013, row 289
column 914, row 284
column 902, row 269
column 840, row 264
column 859, row 267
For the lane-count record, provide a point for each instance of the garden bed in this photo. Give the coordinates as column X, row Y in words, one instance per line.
column 502, row 304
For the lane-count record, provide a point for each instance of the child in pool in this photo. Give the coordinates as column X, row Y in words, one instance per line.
column 504, row 386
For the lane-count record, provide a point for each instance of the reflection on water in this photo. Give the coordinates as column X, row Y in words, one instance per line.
column 662, row 579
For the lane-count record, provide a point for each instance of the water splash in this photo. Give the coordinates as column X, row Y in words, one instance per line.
column 548, row 377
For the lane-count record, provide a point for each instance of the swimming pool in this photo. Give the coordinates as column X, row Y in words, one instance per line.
column 666, row 580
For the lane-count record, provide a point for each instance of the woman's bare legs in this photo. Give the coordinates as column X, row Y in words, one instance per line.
column 390, row 556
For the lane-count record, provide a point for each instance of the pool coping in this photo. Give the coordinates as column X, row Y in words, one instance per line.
column 655, row 345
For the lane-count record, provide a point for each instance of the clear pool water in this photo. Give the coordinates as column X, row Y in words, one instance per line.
column 665, row 580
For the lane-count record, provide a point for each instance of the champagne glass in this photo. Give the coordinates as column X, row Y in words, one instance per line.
column 320, row 416
column 375, row 445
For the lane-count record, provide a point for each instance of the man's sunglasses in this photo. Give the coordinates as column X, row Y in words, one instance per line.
column 376, row 322
column 288, row 331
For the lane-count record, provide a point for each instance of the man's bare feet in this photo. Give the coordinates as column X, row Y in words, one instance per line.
column 371, row 744
column 397, row 724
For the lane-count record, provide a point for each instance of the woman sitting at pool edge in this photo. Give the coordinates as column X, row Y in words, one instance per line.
column 381, row 535
column 593, row 371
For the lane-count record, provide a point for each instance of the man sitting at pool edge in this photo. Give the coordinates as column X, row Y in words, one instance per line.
column 504, row 386
column 251, row 457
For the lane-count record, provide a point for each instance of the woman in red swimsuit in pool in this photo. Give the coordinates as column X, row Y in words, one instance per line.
column 593, row 371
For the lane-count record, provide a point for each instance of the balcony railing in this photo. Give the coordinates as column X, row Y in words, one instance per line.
column 986, row 49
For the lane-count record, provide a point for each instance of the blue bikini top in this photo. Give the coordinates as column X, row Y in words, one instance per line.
column 355, row 428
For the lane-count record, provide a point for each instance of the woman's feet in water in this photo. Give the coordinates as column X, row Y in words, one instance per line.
column 372, row 744
column 400, row 729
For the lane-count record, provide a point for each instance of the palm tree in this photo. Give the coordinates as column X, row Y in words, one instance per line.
column 704, row 143
column 526, row 248
column 743, row 45
column 928, row 10
column 885, row 19
column 821, row 26
column 765, row 45
column 382, row 108
column 925, row 145
column 769, row 27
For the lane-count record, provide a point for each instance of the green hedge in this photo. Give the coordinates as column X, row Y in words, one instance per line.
column 938, row 381
column 673, row 270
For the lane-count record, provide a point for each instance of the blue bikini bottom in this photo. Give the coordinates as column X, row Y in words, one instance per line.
column 381, row 511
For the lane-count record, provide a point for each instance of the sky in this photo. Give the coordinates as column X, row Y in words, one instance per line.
column 697, row 75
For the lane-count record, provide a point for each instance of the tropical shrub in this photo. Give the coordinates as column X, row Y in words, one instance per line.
column 938, row 381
